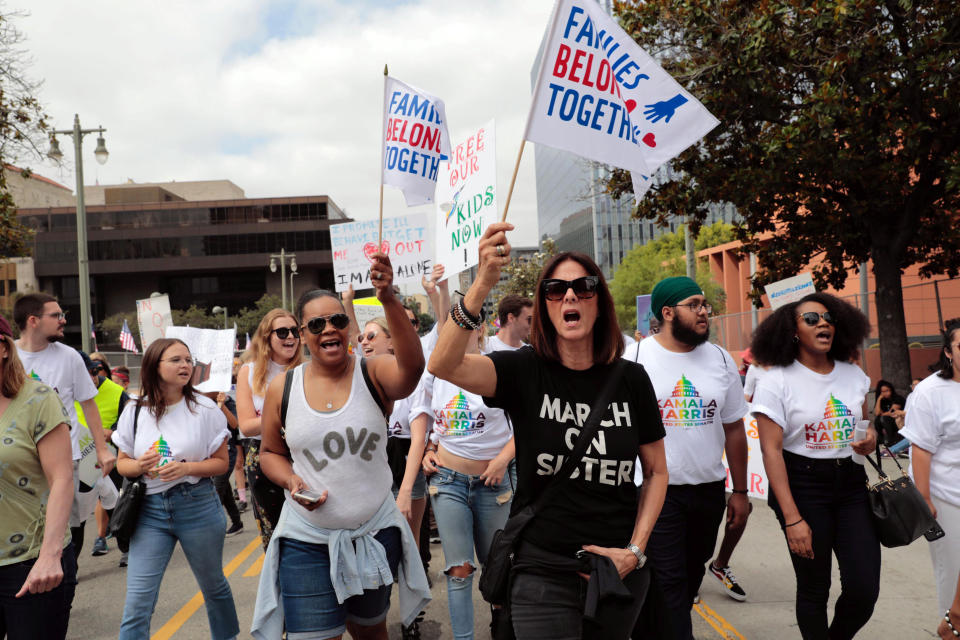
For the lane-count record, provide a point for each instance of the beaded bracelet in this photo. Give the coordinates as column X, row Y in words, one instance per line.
column 477, row 320
column 457, row 320
column 946, row 616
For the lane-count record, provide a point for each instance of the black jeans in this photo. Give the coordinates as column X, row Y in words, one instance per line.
column 36, row 615
column 682, row 542
column 224, row 490
column 832, row 498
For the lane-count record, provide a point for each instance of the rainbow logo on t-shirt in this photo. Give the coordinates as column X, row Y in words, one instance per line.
column 685, row 408
column 456, row 418
column 166, row 455
column 34, row 376
column 835, row 431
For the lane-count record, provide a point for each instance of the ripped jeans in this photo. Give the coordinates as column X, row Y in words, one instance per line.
column 467, row 514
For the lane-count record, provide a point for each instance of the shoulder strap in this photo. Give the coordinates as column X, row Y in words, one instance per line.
column 285, row 402
column 590, row 427
column 136, row 416
column 372, row 389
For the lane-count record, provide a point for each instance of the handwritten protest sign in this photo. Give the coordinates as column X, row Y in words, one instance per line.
column 366, row 309
column 154, row 317
column 643, row 315
column 466, row 200
column 601, row 96
column 789, row 290
column 212, row 353
column 405, row 241
column 415, row 141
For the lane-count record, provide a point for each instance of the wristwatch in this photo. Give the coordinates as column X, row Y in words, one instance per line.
column 641, row 556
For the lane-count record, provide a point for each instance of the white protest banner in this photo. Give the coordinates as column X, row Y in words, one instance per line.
column 789, row 290
column 212, row 353
column 405, row 241
column 757, row 484
column 87, row 469
column 600, row 96
column 415, row 141
column 466, row 200
column 153, row 318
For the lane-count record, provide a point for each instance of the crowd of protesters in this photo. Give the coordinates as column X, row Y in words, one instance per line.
column 348, row 455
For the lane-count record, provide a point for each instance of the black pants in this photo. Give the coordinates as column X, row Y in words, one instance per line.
column 224, row 490
column 682, row 542
column 832, row 498
column 36, row 615
column 887, row 430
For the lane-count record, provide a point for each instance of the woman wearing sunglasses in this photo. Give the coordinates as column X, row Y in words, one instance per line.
column 275, row 348
column 340, row 542
column 807, row 405
column 548, row 389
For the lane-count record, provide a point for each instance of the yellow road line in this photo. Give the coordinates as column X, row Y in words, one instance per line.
column 180, row 617
column 715, row 620
column 255, row 568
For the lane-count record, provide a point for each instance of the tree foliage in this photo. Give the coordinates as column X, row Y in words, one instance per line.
column 522, row 273
column 645, row 265
column 839, row 139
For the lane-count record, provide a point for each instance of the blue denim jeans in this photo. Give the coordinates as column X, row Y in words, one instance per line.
column 190, row 514
column 467, row 514
column 310, row 606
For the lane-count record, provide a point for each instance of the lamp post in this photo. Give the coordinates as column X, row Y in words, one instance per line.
column 224, row 311
column 292, row 303
column 83, row 266
column 283, row 256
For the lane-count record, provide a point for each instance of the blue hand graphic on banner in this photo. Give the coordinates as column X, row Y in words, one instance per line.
column 664, row 109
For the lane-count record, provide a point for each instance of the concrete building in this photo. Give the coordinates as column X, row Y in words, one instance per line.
column 33, row 190
column 151, row 237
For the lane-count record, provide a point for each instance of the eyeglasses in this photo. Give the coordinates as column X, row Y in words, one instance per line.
column 812, row 318
column 283, row 332
column 696, row 307
column 318, row 324
column 179, row 361
column 584, row 288
column 59, row 315
column 369, row 337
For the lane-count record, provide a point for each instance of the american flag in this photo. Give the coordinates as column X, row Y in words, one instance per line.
column 126, row 339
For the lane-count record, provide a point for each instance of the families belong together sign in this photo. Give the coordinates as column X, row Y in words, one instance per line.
column 405, row 241
column 415, row 141
column 466, row 199
column 601, row 96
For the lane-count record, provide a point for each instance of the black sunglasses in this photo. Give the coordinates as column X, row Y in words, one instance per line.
column 283, row 332
column 584, row 288
column 812, row 318
column 318, row 324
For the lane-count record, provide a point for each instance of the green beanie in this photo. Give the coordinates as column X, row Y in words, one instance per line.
column 670, row 291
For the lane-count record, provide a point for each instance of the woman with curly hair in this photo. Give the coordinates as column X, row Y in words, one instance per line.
column 275, row 349
column 807, row 407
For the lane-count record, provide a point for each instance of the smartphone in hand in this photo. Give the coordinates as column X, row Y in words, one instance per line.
column 308, row 495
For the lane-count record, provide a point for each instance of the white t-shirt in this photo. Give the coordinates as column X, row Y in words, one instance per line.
column 429, row 341
column 754, row 372
column 399, row 423
column 462, row 423
column 698, row 392
column 494, row 343
column 62, row 368
column 817, row 412
column 187, row 434
column 273, row 370
column 932, row 423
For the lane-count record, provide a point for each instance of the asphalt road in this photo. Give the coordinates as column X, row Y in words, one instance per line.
column 907, row 607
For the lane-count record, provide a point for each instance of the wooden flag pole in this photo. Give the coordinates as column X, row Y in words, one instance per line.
column 513, row 180
column 383, row 138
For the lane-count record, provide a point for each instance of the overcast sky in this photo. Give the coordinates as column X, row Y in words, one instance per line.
column 283, row 97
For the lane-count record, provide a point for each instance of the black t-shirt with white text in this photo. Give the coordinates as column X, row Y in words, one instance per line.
column 548, row 403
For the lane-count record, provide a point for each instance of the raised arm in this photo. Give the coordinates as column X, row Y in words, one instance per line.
column 353, row 329
column 449, row 359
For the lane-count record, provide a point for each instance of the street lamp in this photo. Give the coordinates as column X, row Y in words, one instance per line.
column 283, row 256
column 224, row 311
column 293, row 272
column 83, row 264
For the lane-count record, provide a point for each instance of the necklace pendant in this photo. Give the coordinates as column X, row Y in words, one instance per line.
column 329, row 405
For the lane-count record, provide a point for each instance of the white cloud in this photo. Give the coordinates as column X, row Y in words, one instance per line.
column 210, row 89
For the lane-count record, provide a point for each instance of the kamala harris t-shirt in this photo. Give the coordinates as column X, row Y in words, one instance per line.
column 697, row 393
column 817, row 412
column 548, row 405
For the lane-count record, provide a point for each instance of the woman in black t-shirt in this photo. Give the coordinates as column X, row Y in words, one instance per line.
column 548, row 389
column 888, row 408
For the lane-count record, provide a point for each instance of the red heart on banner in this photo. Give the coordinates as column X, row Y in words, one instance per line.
column 650, row 140
column 631, row 105
column 371, row 248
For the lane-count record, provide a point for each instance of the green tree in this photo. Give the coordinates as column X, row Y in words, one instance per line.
column 109, row 328
column 522, row 273
column 22, row 126
column 647, row 264
column 839, row 138
column 248, row 319
column 194, row 316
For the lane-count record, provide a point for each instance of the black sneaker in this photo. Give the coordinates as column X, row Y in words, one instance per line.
column 413, row 631
column 725, row 576
column 123, row 559
column 242, row 506
column 99, row 547
column 235, row 528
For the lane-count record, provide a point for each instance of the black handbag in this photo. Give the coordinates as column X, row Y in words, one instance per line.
column 123, row 521
column 900, row 514
column 495, row 577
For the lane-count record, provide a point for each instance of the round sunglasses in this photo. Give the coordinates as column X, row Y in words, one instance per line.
column 318, row 324
column 283, row 332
